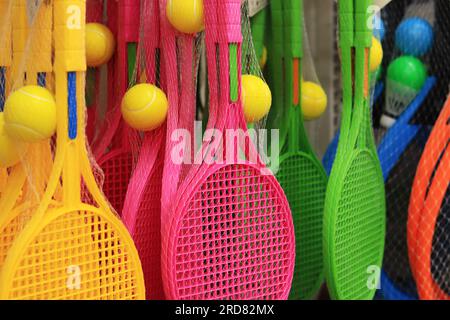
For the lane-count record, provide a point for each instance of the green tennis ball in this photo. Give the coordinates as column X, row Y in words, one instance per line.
column 408, row 71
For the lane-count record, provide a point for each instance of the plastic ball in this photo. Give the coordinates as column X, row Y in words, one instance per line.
column 10, row 149
column 263, row 59
column 186, row 15
column 414, row 36
column 408, row 71
column 314, row 100
column 100, row 44
column 30, row 114
column 376, row 54
column 144, row 107
column 256, row 98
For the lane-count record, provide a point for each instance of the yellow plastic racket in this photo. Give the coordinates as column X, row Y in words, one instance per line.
column 32, row 35
column 5, row 64
column 72, row 250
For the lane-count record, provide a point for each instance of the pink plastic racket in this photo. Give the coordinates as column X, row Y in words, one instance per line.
column 142, row 206
column 228, row 234
column 114, row 152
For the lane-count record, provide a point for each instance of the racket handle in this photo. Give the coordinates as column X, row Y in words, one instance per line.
column 128, row 16
column 151, row 35
column 94, row 10
column 5, row 34
column 293, row 24
column 211, row 20
column 41, row 39
column 19, row 34
column 363, row 33
column 258, row 25
column 276, row 17
column 69, row 35
column 346, row 23
column 229, row 21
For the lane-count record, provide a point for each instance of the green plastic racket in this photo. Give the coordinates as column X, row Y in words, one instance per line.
column 354, row 222
column 300, row 173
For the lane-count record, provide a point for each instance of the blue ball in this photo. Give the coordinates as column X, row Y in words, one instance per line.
column 379, row 30
column 414, row 36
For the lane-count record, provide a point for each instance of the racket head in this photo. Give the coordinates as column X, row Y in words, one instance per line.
column 83, row 245
column 425, row 174
column 354, row 226
column 231, row 237
column 433, row 264
column 304, row 182
column 142, row 213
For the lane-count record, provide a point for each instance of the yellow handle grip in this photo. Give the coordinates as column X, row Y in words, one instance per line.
column 19, row 34
column 69, row 35
column 40, row 59
column 5, row 33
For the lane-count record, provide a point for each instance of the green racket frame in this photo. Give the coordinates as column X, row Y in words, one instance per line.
column 300, row 173
column 354, row 221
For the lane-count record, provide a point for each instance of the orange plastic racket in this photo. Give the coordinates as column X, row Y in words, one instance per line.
column 428, row 228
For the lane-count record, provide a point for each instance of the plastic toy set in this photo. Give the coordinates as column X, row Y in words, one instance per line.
column 158, row 149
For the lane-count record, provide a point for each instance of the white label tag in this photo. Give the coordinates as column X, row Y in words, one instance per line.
column 255, row 6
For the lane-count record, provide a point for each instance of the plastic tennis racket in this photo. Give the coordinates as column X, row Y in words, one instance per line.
column 5, row 66
column 142, row 206
column 354, row 222
column 427, row 227
column 221, row 213
column 84, row 250
column 115, row 151
column 26, row 182
column 300, row 174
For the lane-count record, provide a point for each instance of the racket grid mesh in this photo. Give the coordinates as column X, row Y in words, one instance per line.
column 11, row 229
column 440, row 255
column 78, row 255
column 359, row 229
column 234, row 240
column 304, row 184
column 117, row 172
column 147, row 233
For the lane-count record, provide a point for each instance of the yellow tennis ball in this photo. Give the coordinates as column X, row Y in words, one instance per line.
column 100, row 44
column 30, row 114
column 144, row 107
column 314, row 100
column 263, row 59
column 186, row 15
column 10, row 149
column 256, row 98
column 376, row 54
